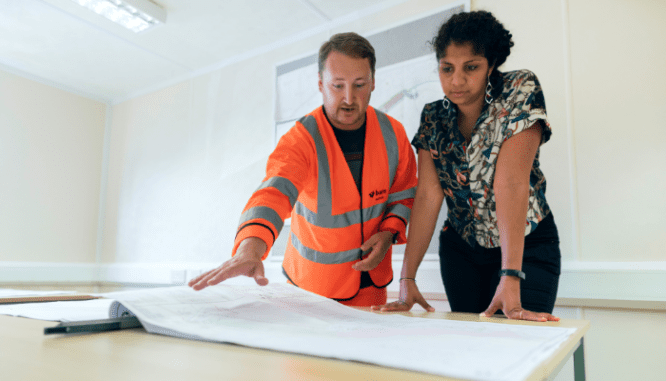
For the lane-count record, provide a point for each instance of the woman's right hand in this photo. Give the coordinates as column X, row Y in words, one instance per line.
column 409, row 295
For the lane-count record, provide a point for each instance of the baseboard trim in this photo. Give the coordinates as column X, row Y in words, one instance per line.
column 48, row 272
column 581, row 283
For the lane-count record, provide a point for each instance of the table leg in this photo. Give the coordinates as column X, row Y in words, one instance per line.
column 579, row 362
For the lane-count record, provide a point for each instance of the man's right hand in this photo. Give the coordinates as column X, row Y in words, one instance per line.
column 247, row 261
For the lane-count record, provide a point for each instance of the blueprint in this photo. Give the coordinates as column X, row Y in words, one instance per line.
column 60, row 311
column 285, row 318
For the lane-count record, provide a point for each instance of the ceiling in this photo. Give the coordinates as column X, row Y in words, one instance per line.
column 62, row 44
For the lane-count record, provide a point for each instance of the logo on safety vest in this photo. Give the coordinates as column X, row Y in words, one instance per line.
column 378, row 194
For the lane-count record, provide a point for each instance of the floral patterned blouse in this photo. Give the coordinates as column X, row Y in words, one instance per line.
column 466, row 171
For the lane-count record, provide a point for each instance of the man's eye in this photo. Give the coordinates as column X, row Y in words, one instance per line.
column 359, row 85
column 337, row 86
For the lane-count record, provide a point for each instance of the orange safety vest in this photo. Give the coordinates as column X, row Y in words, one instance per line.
column 308, row 178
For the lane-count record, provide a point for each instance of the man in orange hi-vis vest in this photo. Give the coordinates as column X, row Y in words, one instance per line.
column 346, row 175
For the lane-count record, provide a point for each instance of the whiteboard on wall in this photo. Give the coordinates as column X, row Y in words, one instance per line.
column 405, row 80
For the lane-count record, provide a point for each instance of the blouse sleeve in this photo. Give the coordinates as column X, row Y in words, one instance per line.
column 527, row 105
column 426, row 129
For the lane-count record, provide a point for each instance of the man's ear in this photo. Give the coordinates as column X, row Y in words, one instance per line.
column 321, row 83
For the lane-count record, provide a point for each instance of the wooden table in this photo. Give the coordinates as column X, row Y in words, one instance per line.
column 133, row 354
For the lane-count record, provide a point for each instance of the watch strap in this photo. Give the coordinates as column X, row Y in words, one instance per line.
column 511, row 272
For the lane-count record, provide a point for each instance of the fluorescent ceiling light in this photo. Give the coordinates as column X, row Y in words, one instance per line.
column 135, row 15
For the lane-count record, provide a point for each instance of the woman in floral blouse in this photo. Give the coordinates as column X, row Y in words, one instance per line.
column 478, row 148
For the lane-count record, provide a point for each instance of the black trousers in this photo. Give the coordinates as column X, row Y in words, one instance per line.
column 470, row 275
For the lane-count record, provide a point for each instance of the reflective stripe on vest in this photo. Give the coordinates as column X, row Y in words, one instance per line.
column 263, row 212
column 391, row 143
column 402, row 195
column 283, row 186
column 399, row 209
column 324, row 258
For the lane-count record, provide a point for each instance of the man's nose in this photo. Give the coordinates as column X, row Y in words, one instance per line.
column 349, row 94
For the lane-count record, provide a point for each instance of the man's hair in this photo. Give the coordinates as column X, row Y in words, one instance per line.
column 349, row 44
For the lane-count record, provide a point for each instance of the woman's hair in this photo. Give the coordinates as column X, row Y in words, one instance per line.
column 481, row 29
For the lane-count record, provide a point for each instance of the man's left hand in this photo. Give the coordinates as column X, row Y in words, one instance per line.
column 377, row 246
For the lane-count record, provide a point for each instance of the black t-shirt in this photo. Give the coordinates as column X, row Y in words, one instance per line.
column 352, row 143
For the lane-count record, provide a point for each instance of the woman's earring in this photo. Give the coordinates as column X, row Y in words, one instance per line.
column 489, row 88
column 446, row 103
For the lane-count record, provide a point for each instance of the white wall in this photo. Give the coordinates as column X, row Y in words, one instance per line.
column 50, row 169
column 618, row 86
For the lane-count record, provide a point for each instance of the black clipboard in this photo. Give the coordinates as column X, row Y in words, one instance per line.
column 88, row 326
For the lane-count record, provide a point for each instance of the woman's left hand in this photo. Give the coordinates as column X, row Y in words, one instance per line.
column 409, row 295
column 507, row 299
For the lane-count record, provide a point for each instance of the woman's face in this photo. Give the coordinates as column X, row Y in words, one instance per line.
column 463, row 75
